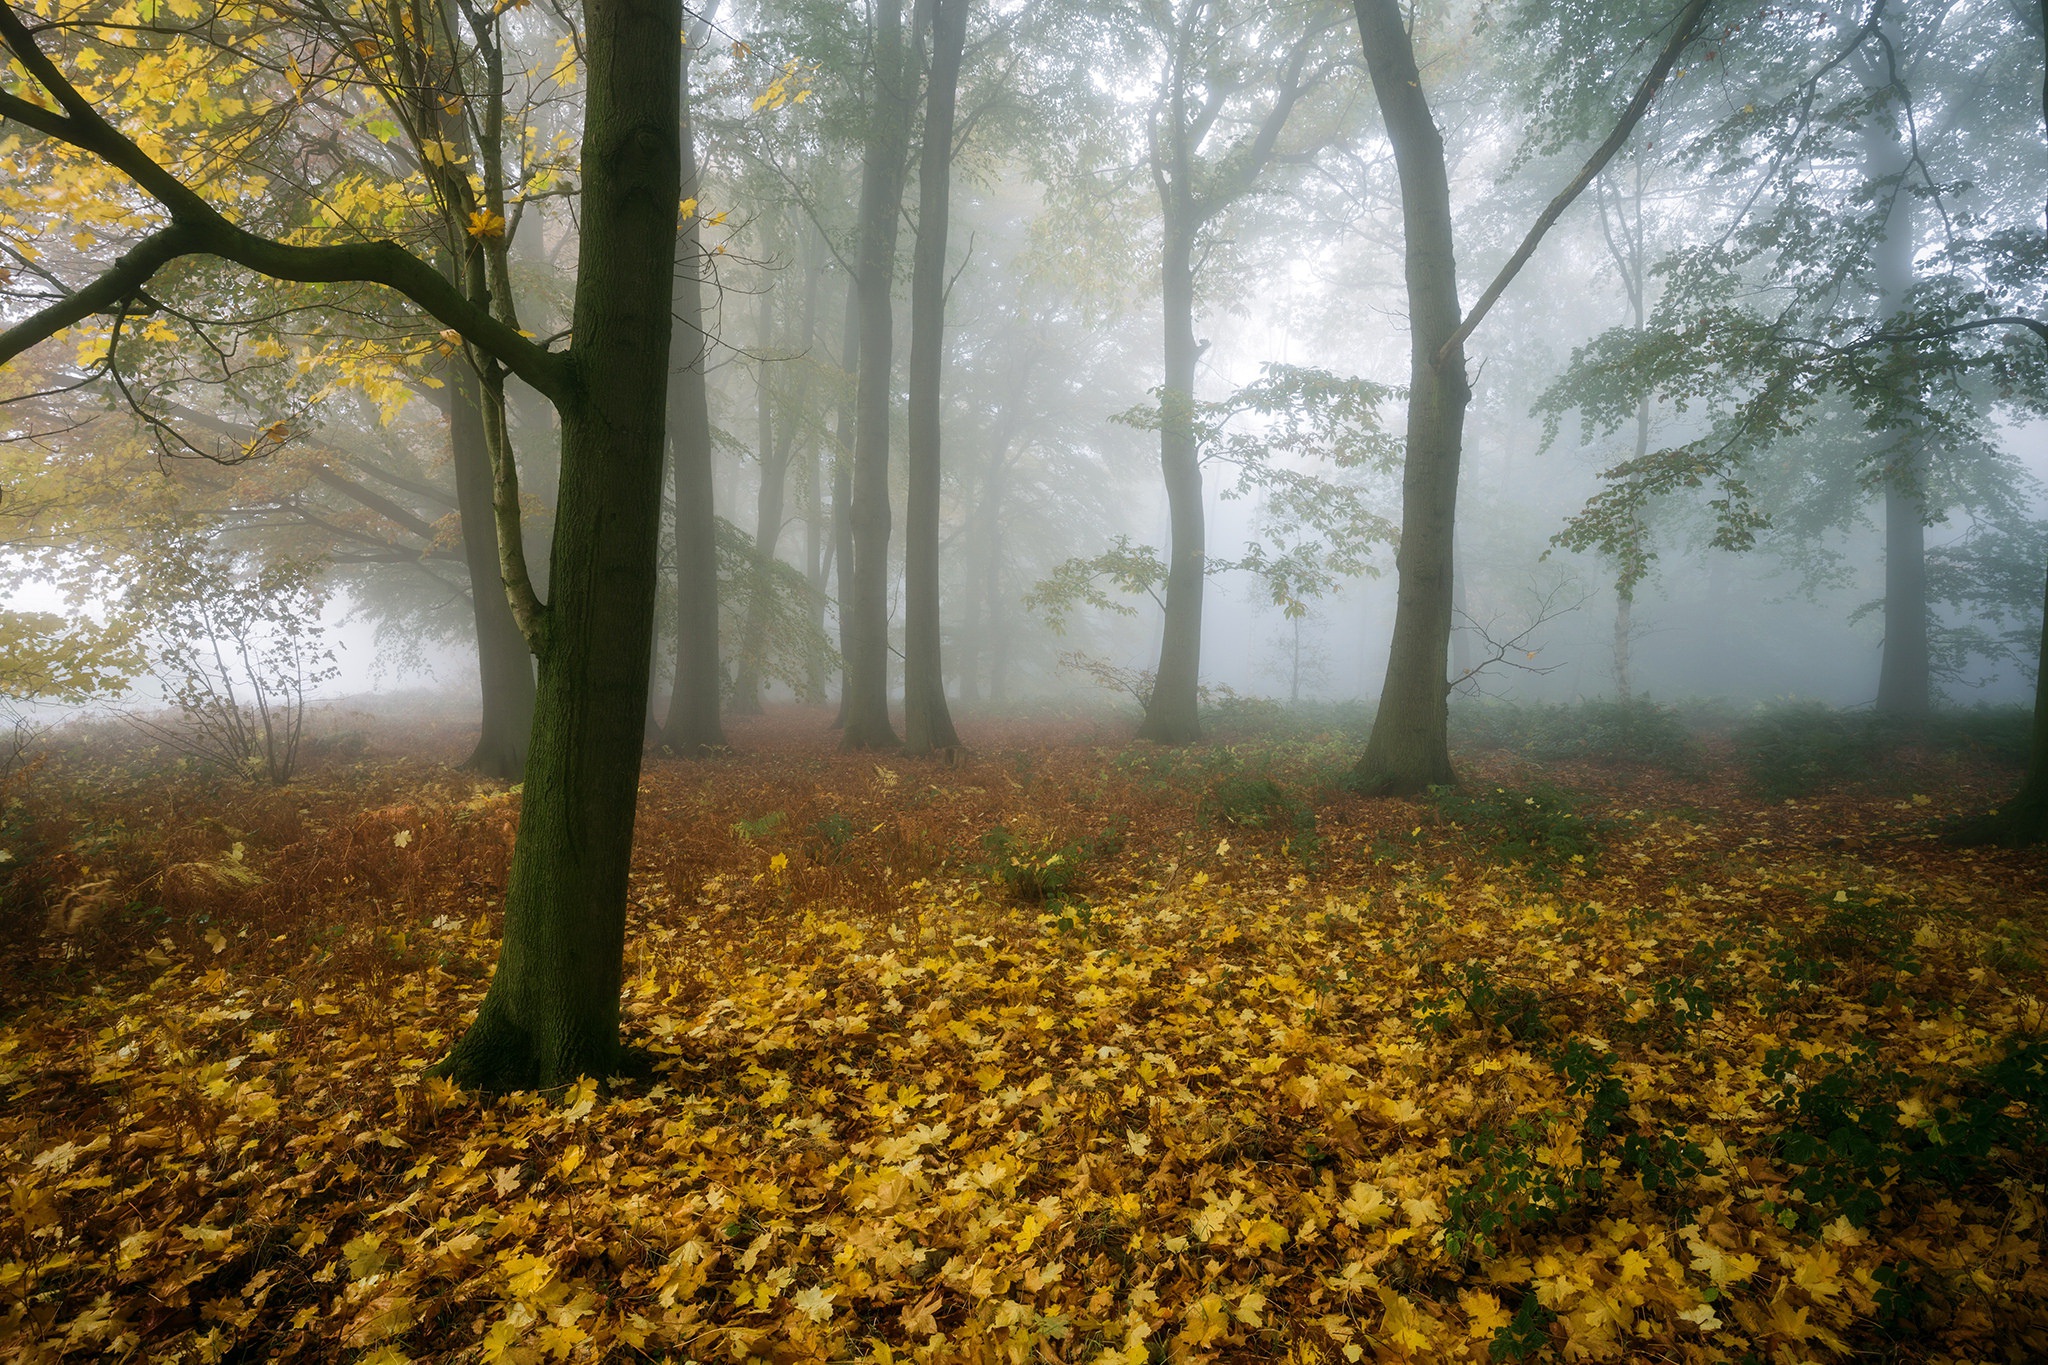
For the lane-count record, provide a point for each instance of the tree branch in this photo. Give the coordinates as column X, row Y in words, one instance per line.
column 198, row 228
column 1687, row 24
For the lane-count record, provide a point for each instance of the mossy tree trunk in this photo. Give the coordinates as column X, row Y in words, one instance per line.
column 552, row 1011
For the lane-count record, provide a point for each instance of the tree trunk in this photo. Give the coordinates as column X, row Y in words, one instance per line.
column 768, row 500
column 552, row 1011
column 994, row 619
column 927, row 724
column 866, row 703
column 842, row 486
column 504, row 663
column 2025, row 817
column 1904, row 687
column 1171, row 714
column 816, row 558
column 693, row 727
column 1409, row 749
column 1625, row 595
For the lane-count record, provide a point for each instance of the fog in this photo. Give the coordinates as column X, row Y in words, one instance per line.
column 265, row 423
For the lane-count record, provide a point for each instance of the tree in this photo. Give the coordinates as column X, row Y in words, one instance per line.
column 1409, row 748
column 693, row 726
column 927, row 724
column 864, row 708
column 1205, row 96
column 552, row 1010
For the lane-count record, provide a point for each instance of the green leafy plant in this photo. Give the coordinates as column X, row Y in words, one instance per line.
column 1538, row 828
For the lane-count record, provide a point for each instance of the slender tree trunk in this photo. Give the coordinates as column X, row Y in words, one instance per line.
column 1409, row 749
column 1904, row 687
column 995, row 619
column 768, row 500
column 693, row 726
column 1625, row 596
column 1172, row 715
column 552, row 1011
column 927, row 724
column 842, row 486
column 866, row 704
column 815, row 566
column 504, row 663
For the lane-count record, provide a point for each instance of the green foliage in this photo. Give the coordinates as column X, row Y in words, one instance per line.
column 1538, row 828
column 826, row 837
column 1792, row 751
column 1860, row 1131
column 1314, row 531
column 1624, row 734
column 1524, row 1336
column 1244, row 801
column 1036, row 871
column 1123, row 569
column 747, row 831
column 1474, row 991
column 792, row 641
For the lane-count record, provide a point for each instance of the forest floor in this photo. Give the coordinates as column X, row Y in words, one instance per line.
column 1078, row 1051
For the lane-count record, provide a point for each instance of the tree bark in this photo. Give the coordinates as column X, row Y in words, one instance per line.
column 504, row 663
column 842, row 485
column 768, row 500
column 1409, row 749
column 2024, row 820
column 866, row 702
column 693, row 726
column 552, row 1011
column 1172, row 714
column 1904, row 685
column 927, row 723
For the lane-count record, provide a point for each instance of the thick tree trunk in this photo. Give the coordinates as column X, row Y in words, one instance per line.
column 504, row 662
column 1172, row 715
column 552, row 1011
column 866, row 704
column 1409, row 749
column 693, row 726
column 927, row 724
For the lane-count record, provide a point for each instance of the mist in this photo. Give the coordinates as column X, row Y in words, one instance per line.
column 1000, row 680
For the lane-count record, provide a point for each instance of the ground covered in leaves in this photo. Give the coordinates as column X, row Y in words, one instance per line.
column 1078, row 1051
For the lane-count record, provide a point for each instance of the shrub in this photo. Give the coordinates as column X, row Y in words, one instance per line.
column 1538, row 828
column 1630, row 734
column 1035, row 871
column 1792, row 751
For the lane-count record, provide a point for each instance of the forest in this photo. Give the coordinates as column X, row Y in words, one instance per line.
column 1088, row 681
